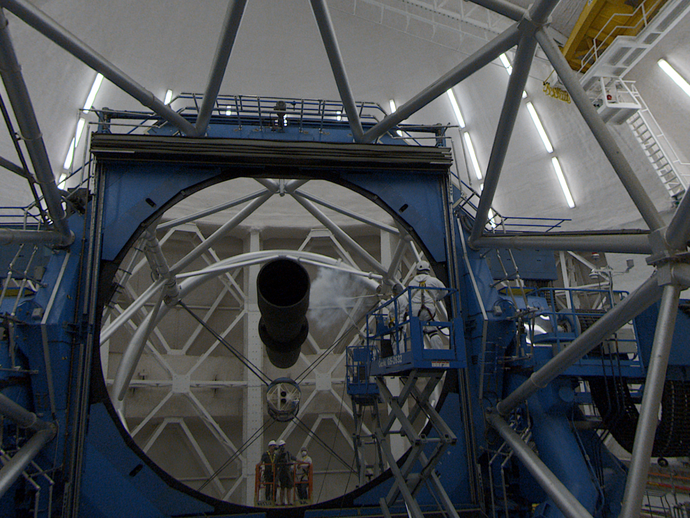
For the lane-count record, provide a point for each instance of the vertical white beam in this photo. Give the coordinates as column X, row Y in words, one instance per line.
column 253, row 401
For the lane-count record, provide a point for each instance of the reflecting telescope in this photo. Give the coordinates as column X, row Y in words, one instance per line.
column 283, row 296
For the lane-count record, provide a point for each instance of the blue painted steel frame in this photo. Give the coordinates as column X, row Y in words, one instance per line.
column 135, row 194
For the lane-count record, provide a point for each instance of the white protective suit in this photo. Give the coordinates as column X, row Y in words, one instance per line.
column 424, row 304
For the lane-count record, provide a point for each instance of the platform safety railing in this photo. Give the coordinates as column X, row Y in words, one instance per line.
column 620, row 24
column 468, row 202
column 570, row 312
column 388, row 325
column 267, row 484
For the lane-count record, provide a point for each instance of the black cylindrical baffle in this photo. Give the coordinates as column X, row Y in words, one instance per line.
column 283, row 297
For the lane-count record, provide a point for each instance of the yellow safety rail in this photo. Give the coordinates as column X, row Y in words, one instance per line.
column 600, row 22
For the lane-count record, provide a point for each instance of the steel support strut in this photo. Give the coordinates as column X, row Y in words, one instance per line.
column 330, row 43
column 678, row 231
column 233, row 17
column 68, row 41
column 611, row 243
column 601, row 133
column 503, row 8
column 651, row 400
column 469, row 66
column 522, row 62
column 408, row 484
column 28, row 125
column 506, row 123
column 44, row 433
column 639, row 300
column 564, row 499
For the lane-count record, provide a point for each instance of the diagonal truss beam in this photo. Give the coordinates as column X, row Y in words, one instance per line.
column 506, row 123
column 19, row 98
column 233, row 17
column 651, row 400
column 678, row 231
column 330, row 43
column 40, row 21
column 563, row 498
column 639, row 300
column 600, row 132
column 503, row 8
column 469, row 66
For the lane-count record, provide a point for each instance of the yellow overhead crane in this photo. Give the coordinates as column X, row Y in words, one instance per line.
column 600, row 22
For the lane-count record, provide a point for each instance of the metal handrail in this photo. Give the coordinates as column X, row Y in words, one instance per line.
column 599, row 45
column 497, row 223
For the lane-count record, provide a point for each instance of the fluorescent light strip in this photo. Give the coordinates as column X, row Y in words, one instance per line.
column 509, row 69
column 69, row 157
column 391, row 103
column 492, row 217
column 75, row 142
column 677, row 78
column 564, row 184
column 168, row 97
column 540, row 128
column 456, row 108
column 90, row 99
column 473, row 155
column 93, row 92
column 506, row 63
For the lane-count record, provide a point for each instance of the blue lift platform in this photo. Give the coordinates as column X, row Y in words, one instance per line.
column 400, row 344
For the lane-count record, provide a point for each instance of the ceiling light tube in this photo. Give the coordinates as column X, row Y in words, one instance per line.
column 75, row 142
column 168, row 97
column 391, row 103
column 456, row 108
column 506, row 63
column 80, row 130
column 677, row 78
column 540, row 128
column 91, row 98
column 509, row 68
column 473, row 155
column 69, row 157
column 564, row 184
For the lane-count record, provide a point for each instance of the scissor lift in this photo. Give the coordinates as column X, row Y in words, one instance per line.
column 397, row 345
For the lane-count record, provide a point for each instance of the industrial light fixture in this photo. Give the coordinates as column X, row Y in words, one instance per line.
column 540, row 127
column 168, row 97
column 456, row 108
column 564, row 184
column 393, row 108
column 473, row 155
column 509, row 68
column 93, row 92
column 677, row 78
column 90, row 99
column 492, row 218
column 506, row 63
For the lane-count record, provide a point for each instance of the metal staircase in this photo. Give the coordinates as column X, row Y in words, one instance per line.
column 615, row 45
column 658, row 158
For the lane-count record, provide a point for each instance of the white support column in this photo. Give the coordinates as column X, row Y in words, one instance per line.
column 253, row 401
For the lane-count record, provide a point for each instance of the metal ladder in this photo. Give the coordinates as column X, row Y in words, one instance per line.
column 621, row 55
column 650, row 141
